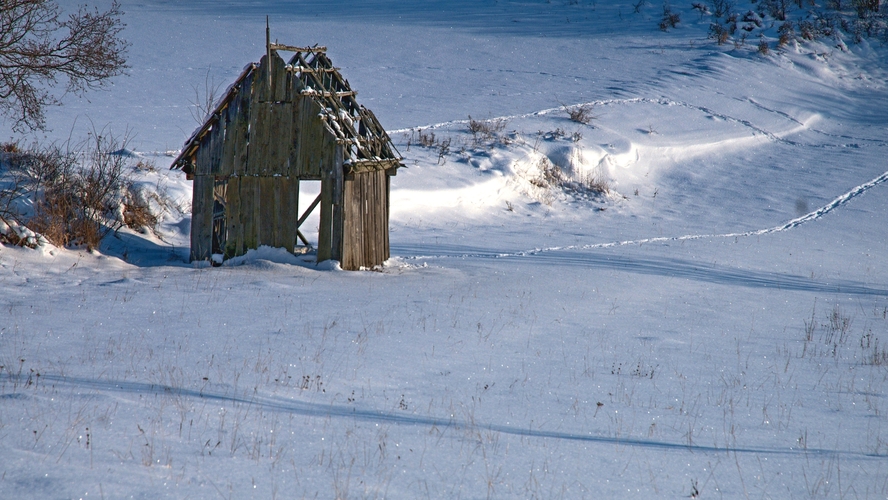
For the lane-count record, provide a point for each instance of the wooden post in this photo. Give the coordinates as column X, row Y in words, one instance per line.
column 268, row 53
column 336, row 241
column 287, row 194
column 330, row 230
column 387, row 253
column 325, row 243
column 249, row 211
column 265, row 204
column 202, row 218
column 233, row 216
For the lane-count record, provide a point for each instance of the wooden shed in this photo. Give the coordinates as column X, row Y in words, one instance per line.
column 280, row 123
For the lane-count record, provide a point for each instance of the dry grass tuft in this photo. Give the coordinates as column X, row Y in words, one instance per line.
column 580, row 114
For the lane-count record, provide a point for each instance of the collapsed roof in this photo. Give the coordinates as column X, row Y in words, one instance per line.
column 310, row 74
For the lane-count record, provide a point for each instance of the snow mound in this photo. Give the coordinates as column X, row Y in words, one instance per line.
column 263, row 255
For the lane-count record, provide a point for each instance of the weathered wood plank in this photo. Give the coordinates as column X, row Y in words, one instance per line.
column 266, row 211
column 294, row 168
column 249, row 210
column 228, row 122
column 280, row 142
column 372, row 213
column 300, row 139
column 375, row 212
column 279, row 77
column 387, row 252
column 308, row 69
column 290, row 48
column 325, row 229
column 382, row 227
column 234, row 247
column 307, row 115
column 242, row 130
column 336, row 241
column 364, row 223
column 289, row 212
column 220, row 224
column 365, row 239
column 203, row 164
column 350, row 241
column 358, row 166
column 278, row 213
column 202, row 218
column 218, row 139
column 259, row 111
column 315, row 147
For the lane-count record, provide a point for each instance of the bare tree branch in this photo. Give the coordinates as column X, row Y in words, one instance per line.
column 38, row 47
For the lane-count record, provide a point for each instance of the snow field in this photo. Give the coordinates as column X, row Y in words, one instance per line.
column 713, row 324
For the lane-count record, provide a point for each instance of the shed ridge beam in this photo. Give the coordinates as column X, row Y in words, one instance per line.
column 309, row 69
column 321, row 93
column 291, row 48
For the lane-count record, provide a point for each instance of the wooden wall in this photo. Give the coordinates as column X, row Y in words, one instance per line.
column 267, row 132
column 263, row 143
column 365, row 240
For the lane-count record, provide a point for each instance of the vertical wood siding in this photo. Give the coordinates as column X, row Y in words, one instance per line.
column 261, row 144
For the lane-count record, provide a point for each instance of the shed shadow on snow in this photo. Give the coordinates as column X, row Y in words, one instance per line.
column 668, row 267
column 709, row 273
column 323, row 410
column 143, row 252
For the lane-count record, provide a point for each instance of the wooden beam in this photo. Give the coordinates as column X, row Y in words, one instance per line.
column 233, row 209
column 268, row 53
column 309, row 210
column 265, row 215
column 290, row 48
column 363, row 165
column 325, row 244
column 302, row 237
column 202, row 218
column 309, row 69
column 337, row 236
column 325, row 94
column 289, row 211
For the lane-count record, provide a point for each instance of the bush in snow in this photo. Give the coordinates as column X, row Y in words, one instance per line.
column 485, row 130
column 580, row 114
column 670, row 19
column 721, row 8
column 72, row 196
column 81, row 202
column 802, row 20
column 763, row 47
column 787, row 34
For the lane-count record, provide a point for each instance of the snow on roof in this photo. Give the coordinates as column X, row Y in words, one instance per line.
column 315, row 77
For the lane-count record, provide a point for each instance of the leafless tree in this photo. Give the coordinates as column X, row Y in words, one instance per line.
column 204, row 100
column 39, row 46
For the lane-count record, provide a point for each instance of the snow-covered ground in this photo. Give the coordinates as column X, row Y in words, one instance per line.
column 714, row 324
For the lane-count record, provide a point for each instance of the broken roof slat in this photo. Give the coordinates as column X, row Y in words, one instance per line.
column 319, row 93
column 315, row 78
column 309, row 69
column 193, row 142
column 291, row 48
